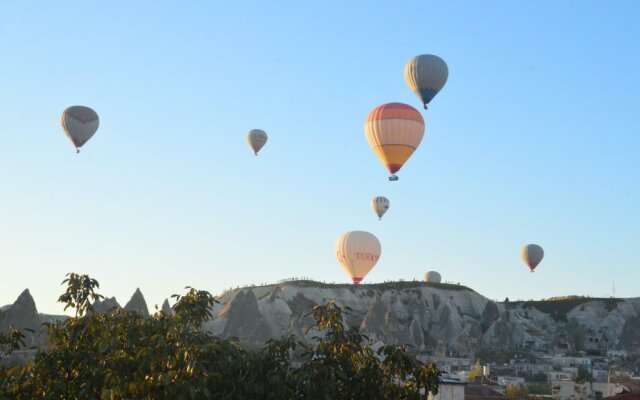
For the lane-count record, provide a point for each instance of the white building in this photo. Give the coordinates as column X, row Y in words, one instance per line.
column 617, row 353
column 568, row 390
column 560, row 376
column 562, row 361
column 449, row 388
column 600, row 375
column 509, row 380
column 449, row 365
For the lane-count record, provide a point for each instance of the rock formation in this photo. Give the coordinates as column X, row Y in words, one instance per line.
column 244, row 320
column 137, row 304
column 166, row 308
column 432, row 317
column 23, row 314
column 107, row 305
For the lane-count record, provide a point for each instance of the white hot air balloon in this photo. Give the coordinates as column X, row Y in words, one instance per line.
column 79, row 123
column 432, row 277
column 358, row 252
column 380, row 205
column 256, row 138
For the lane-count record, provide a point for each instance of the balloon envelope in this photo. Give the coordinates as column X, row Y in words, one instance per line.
column 358, row 252
column 426, row 75
column 79, row 123
column 394, row 131
column 532, row 254
column 256, row 138
column 432, row 277
column 380, row 205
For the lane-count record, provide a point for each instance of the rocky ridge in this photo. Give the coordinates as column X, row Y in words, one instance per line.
column 23, row 314
column 433, row 318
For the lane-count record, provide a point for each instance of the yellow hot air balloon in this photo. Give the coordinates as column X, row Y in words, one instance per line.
column 79, row 124
column 380, row 205
column 426, row 75
column 358, row 252
column 532, row 254
column 256, row 138
column 394, row 131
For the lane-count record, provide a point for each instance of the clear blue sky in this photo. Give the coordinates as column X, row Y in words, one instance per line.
column 534, row 139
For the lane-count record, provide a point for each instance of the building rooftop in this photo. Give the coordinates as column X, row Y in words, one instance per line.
column 451, row 380
column 625, row 396
column 476, row 392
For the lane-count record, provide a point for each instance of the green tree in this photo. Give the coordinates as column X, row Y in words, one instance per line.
column 11, row 341
column 341, row 366
column 80, row 293
column 518, row 392
column 475, row 372
column 121, row 355
column 584, row 375
column 539, row 388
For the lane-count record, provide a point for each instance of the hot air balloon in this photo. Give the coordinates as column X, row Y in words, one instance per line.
column 79, row 124
column 380, row 205
column 432, row 277
column 256, row 138
column 394, row 131
column 532, row 254
column 358, row 252
column 426, row 75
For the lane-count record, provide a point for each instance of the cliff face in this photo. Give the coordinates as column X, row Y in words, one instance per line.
column 431, row 317
column 22, row 314
column 435, row 318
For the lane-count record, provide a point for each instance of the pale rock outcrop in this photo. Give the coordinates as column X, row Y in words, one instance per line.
column 440, row 318
column 166, row 308
column 23, row 314
column 137, row 304
column 432, row 318
column 244, row 319
column 106, row 305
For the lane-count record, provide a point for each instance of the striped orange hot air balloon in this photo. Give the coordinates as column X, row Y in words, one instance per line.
column 394, row 131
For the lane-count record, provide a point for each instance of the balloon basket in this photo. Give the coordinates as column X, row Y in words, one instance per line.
column 393, row 178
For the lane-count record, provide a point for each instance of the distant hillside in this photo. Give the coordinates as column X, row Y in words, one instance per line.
column 382, row 285
column 560, row 307
column 434, row 318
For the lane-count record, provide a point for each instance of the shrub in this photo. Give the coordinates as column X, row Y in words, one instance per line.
column 121, row 355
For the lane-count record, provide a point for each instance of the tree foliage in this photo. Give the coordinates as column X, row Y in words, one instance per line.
column 583, row 375
column 11, row 341
column 517, row 392
column 539, row 388
column 121, row 355
column 475, row 372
